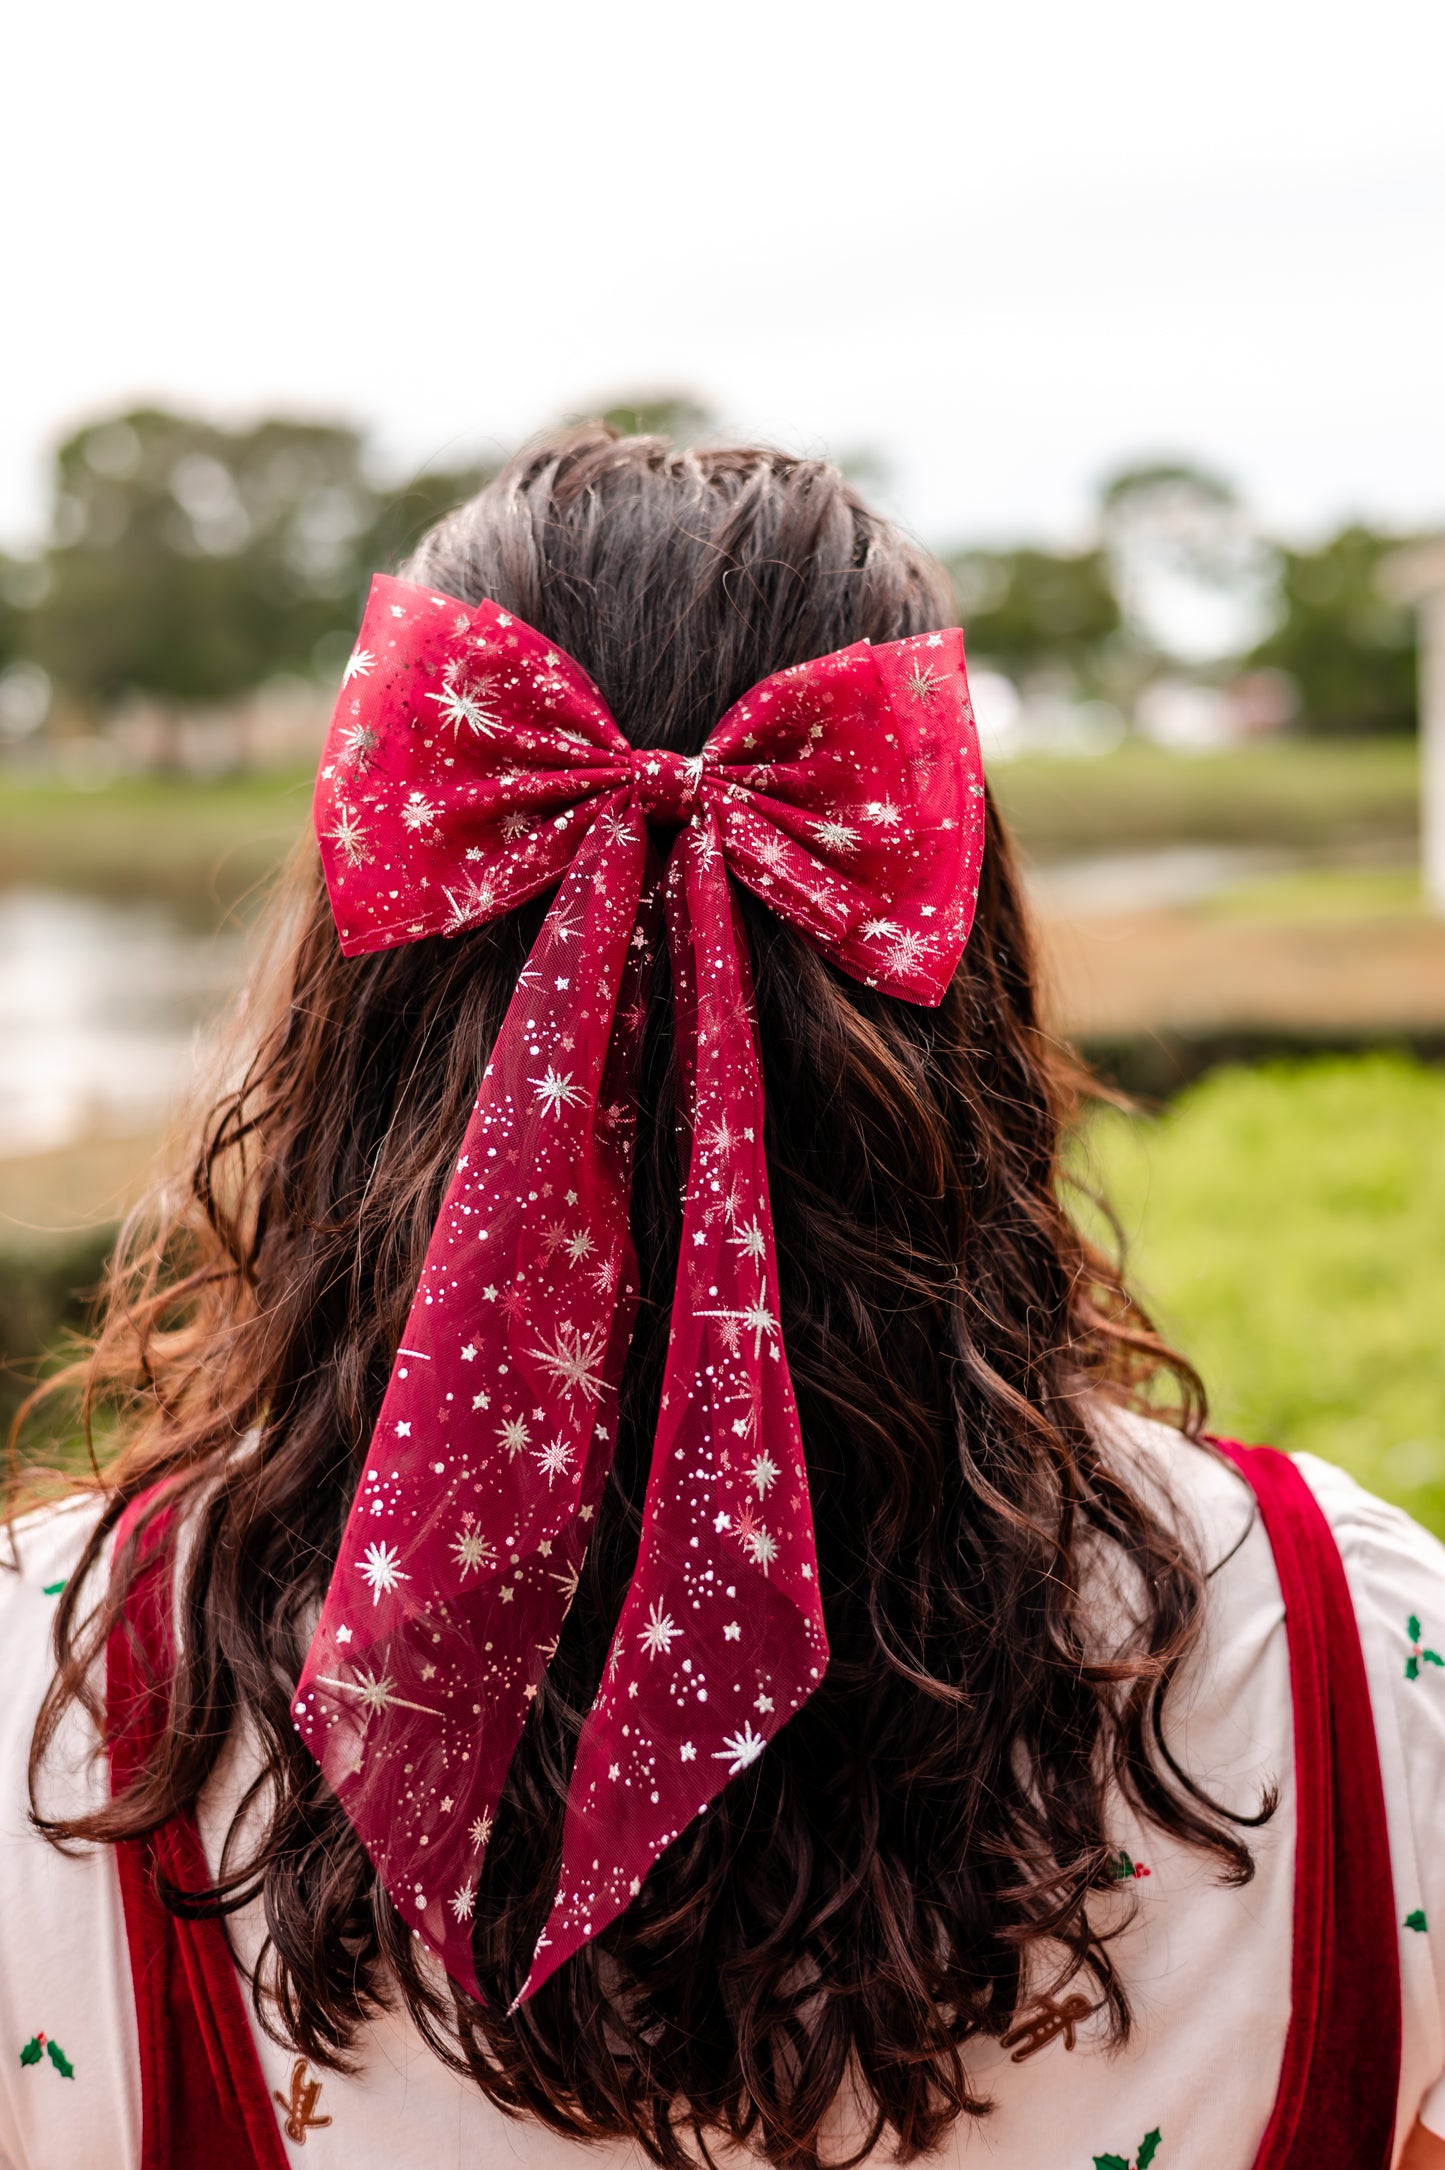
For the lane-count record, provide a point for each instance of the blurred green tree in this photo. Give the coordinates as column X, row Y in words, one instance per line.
column 1196, row 583
column 1350, row 650
column 680, row 415
column 1028, row 609
column 191, row 561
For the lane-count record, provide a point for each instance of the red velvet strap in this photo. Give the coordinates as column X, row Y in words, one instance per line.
column 1335, row 2108
column 204, row 2103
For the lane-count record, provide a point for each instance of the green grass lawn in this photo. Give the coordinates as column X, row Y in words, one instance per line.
column 1287, row 1227
column 1310, row 795
column 205, row 847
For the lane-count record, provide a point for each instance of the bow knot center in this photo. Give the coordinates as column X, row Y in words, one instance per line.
column 667, row 784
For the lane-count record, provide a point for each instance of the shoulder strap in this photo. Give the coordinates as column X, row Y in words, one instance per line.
column 203, row 2094
column 1335, row 2108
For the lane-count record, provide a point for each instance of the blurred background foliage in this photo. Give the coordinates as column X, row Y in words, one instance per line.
column 1286, row 1225
column 190, row 562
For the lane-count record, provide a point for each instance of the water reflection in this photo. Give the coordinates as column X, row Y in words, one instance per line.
column 101, row 1003
column 100, row 1010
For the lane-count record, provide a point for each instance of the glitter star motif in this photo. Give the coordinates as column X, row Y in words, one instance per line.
column 660, row 1633
column 361, row 663
column 461, row 1902
column 471, row 1550
column 349, row 838
column 568, row 1580
column 836, row 835
column 762, row 1548
column 481, row 1828
column 763, row 1473
column 473, row 902
column 381, row 1568
column 879, row 930
column 740, row 1749
column 418, row 812
column 755, row 1318
column 555, row 1459
column 556, row 1091
column 575, row 1360
column 579, row 1247
column 750, row 1240
column 460, row 707
column 687, row 1753
column 358, row 744
column 884, row 812
column 375, row 1692
column 514, row 1434
column 907, row 951
column 923, row 682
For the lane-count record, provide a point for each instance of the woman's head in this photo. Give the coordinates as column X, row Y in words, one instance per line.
column 868, row 1895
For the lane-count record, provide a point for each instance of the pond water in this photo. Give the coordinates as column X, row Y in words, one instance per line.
column 101, row 1009
column 102, row 1004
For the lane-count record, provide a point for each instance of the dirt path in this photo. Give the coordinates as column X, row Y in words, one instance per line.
column 1188, row 972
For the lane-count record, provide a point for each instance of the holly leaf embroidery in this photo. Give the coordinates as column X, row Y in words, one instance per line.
column 60, row 2061
column 53, row 1589
column 1412, row 1628
column 1148, row 2148
column 1110, row 2162
column 30, row 2055
column 1416, row 1919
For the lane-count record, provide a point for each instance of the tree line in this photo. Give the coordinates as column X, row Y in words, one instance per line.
column 188, row 562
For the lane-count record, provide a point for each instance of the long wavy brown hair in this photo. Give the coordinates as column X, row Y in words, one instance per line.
column 927, row 1842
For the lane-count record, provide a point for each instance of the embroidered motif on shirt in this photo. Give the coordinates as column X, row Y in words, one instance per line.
column 1419, row 1655
column 1044, row 2023
column 300, row 2104
column 41, row 2045
column 1123, row 1867
column 1416, row 1920
column 1148, row 2149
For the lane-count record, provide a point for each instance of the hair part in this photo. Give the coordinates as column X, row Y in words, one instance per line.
column 927, row 1841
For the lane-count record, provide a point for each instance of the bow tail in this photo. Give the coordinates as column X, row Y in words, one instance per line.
column 469, row 1526
column 721, row 1636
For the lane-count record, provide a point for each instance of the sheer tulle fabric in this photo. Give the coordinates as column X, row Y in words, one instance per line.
column 470, row 766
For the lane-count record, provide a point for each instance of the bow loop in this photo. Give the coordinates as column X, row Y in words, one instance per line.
column 470, row 765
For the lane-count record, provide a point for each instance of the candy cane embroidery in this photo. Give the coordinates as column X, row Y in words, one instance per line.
column 41, row 2045
column 1418, row 1654
column 1148, row 2149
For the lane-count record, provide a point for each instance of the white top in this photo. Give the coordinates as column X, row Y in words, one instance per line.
column 1207, row 1967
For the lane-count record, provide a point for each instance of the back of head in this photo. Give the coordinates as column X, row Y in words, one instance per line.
column 868, row 1895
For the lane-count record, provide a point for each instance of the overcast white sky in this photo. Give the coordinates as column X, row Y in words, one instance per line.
column 1006, row 247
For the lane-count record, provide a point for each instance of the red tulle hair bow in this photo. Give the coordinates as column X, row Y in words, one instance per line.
column 470, row 766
